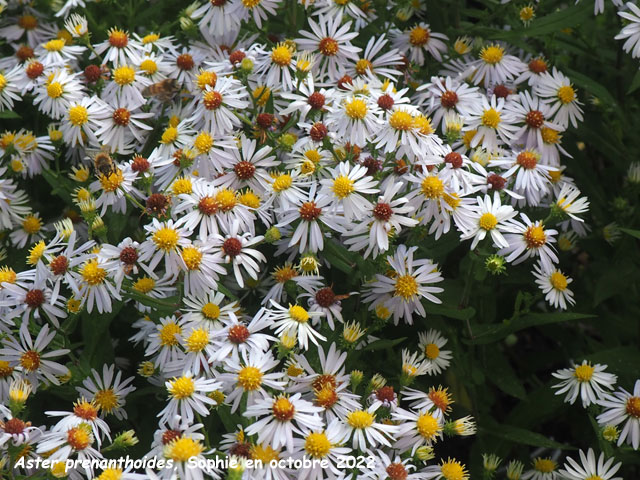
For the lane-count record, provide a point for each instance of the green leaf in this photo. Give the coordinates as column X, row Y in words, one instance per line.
column 450, row 312
column 95, row 333
column 8, row 114
column 502, row 375
column 483, row 334
column 591, row 85
column 521, row 436
column 628, row 231
column 383, row 343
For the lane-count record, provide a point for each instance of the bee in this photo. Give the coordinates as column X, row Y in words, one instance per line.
column 164, row 91
column 102, row 161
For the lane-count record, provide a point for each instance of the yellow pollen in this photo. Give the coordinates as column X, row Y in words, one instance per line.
column 7, row 275
column 558, row 281
column 192, row 257
column 79, row 438
column 284, row 274
column 491, row 118
column 432, row 187
column 111, row 182
column 363, row 65
column 226, row 199
column 211, row 311
column 203, row 142
column 544, row 465
column 298, row 314
column 317, row 445
column 401, row 120
column 168, row 334
column 566, row 94
column 250, row 4
column 3, row 82
column 149, row 66
column 151, row 38
column 282, row 182
column 198, row 340
column 78, row 115
column 406, row 286
column 182, row 388
column 261, row 95
column 205, row 78
column 170, row 135
column 92, row 273
column 54, row 45
column 30, row 360
column 166, row 238
column 144, row 285
column 124, row 75
column 427, row 426
column 431, row 351
column 110, row 474
column 264, row 453
column 549, row 135
column 106, row 400
column 250, row 378
column 488, row 221
column 343, row 186
column 36, row 252
column 281, row 55
column 452, row 470
column 54, row 90
column 31, row 224
column 360, row 419
column 419, row 36
column 182, row 185
column 182, row 449
column 584, row 372
column 534, row 236
column 492, row 54
column 356, row 109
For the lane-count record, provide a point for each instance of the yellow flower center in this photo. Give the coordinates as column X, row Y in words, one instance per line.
column 492, row 54
column 284, row 274
column 250, row 4
column 544, row 465
column 111, row 182
column 431, row 351
column 3, row 82
column 78, row 115
column 250, row 378
column 317, row 445
column 198, row 340
column 182, row 388
column 360, row 419
column 558, row 281
column 226, row 199
column 203, row 142
column 169, row 135
column 356, row 109
column 168, row 334
column 584, row 372
column 151, row 38
column 144, row 285
column 419, row 36
column 488, row 221
column 92, row 273
column 282, row 182
column 149, row 66
column 452, row 470
column 549, row 135
column 406, row 286
column 31, row 224
column 281, row 55
column 534, row 236
column 427, row 426
column 36, row 252
column 491, row 118
column 343, row 187
column 283, row 409
column 30, row 360
column 566, row 94
column 264, row 453
column 594, row 477
column 432, row 187
column 211, row 311
column 182, row 185
column 7, row 275
column 54, row 90
column 79, row 438
column 261, row 95
column 166, row 238
column 183, row 448
column 401, row 120
column 106, row 400
column 54, row 45
column 110, row 474
column 192, row 258
column 124, row 75
column 298, row 314
column 205, row 78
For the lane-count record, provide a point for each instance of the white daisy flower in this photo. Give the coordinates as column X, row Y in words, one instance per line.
column 529, row 239
column 631, row 32
column 9, row 90
column 418, row 40
column 54, row 96
column 493, row 125
column 553, row 284
column 590, row 382
column 82, row 120
column 355, row 119
column 623, row 407
column 84, row 413
column 107, row 392
column 294, row 322
column 489, row 217
column 118, row 48
column 216, row 107
column 365, row 432
column 494, row 66
column 346, row 186
column 431, row 344
column 188, row 396
column 588, row 468
column 556, row 90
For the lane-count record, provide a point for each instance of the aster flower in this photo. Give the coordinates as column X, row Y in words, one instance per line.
column 553, row 284
column 346, row 186
column 591, row 382
column 418, row 40
column 489, row 217
column 556, row 90
column 590, row 468
column 188, row 396
column 107, row 391
column 495, row 66
column 623, row 407
column 294, row 322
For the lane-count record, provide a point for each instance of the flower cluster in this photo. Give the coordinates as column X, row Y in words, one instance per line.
column 215, row 182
